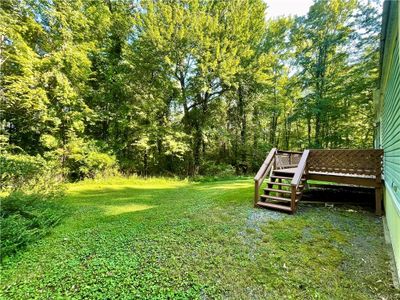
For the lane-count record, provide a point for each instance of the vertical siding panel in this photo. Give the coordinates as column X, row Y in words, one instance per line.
column 391, row 126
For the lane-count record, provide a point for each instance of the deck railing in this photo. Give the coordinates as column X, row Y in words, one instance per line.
column 357, row 162
column 287, row 159
column 300, row 170
column 265, row 168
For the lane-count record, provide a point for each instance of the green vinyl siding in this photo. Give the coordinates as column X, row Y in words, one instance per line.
column 391, row 126
column 393, row 223
column 388, row 121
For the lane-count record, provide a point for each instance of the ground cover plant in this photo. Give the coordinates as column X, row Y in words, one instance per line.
column 175, row 239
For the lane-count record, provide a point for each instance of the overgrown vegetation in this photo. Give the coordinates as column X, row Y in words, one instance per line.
column 28, row 210
column 25, row 219
column 183, row 87
column 170, row 239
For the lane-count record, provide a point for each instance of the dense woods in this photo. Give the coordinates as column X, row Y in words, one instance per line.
column 182, row 87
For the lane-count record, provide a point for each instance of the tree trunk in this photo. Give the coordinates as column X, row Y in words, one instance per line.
column 145, row 164
column 287, row 133
column 243, row 129
column 317, row 140
column 196, row 148
column 320, row 86
column 274, row 119
column 254, row 161
column 309, row 131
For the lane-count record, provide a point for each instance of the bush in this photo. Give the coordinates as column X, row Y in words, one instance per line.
column 17, row 170
column 212, row 172
column 85, row 160
column 218, row 170
column 29, row 174
column 99, row 164
column 25, row 219
column 28, row 210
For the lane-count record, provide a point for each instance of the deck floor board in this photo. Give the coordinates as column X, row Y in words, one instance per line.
column 293, row 170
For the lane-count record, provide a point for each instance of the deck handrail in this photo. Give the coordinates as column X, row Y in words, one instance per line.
column 262, row 173
column 300, row 169
column 289, row 152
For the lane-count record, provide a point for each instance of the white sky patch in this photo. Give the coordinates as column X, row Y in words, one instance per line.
column 287, row 7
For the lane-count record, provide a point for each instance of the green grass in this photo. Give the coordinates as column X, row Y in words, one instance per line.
column 160, row 239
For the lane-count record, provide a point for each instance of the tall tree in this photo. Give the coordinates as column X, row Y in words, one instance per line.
column 202, row 47
column 184, row 87
column 321, row 39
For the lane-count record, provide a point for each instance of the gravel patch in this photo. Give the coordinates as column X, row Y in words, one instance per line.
column 252, row 233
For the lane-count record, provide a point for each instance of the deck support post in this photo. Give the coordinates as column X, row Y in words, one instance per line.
column 256, row 193
column 378, row 200
column 293, row 199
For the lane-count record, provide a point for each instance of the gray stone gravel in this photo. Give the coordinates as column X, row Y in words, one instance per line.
column 252, row 233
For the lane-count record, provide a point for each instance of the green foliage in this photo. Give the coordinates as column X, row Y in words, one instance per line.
column 337, row 97
column 218, row 170
column 17, row 170
column 165, row 87
column 99, row 164
column 25, row 218
column 162, row 238
column 83, row 159
column 30, row 188
column 29, row 174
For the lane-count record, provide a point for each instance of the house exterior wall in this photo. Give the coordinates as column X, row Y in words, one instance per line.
column 388, row 121
column 393, row 224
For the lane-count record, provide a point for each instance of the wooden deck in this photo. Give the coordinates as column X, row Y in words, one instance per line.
column 315, row 175
column 289, row 171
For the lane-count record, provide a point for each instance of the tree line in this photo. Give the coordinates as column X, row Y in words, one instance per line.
column 183, row 87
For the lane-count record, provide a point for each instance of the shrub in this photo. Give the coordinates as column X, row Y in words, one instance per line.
column 29, row 174
column 85, row 160
column 218, row 170
column 24, row 219
column 28, row 210
column 17, row 170
column 99, row 164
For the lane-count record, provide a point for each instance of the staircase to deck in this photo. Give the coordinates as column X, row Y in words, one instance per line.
column 278, row 193
column 286, row 172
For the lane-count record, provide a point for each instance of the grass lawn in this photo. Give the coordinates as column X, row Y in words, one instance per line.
column 159, row 238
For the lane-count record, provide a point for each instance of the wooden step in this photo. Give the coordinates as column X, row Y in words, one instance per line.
column 285, row 177
column 279, row 191
column 283, row 184
column 276, row 198
column 281, row 177
column 278, row 183
column 283, row 172
column 275, row 206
